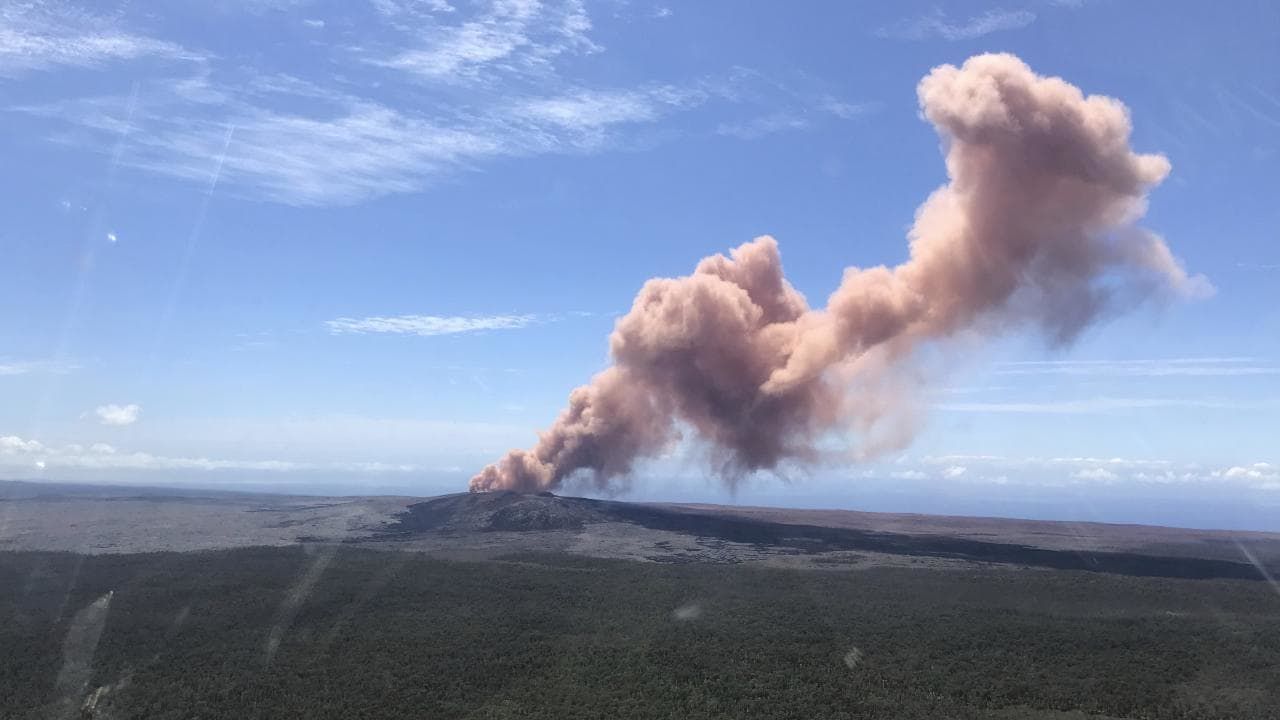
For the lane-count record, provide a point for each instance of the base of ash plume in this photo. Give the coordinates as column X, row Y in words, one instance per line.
column 502, row 510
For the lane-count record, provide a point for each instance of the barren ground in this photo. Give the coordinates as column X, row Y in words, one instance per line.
column 98, row 520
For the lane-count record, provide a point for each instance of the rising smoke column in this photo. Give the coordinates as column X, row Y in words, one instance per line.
column 1035, row 227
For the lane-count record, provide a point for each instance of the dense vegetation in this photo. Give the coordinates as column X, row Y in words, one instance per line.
column 327, row 632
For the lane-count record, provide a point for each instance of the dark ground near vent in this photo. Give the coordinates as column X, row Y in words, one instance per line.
column 511, row 511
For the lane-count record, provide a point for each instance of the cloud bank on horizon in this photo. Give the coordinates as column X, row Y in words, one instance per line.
column 1036, row 228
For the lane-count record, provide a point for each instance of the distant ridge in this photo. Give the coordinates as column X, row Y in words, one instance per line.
column 518, row 512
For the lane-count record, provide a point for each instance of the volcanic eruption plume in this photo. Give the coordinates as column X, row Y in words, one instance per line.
column 1035, row 227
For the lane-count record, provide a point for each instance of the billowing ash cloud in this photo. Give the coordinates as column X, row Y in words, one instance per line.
column 1036, row 227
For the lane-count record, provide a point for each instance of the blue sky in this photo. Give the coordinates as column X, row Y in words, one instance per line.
column 368, row 247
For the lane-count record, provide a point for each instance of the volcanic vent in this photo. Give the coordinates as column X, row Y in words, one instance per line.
column 504, row 510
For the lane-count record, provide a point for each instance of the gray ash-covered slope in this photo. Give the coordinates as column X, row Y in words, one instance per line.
column 127, row 519
column 97, row 519
column 511, row 511
column 504, row 510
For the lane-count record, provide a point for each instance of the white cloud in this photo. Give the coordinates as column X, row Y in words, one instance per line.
column 13, row 445
column 395, row 9
column 17, row 452
column 1256, row 471
column 303, row 143
column 347, row 148
column 509, row 36
column 406, row 16
column 908, row 475
column 1113, row 461
column 1049, row 470
column 24, row 367
column 764, row 125
column 1045, row 462
column 800, row 118
column 314, row 23
column 583, row 109
column 363, row 150
column 429, row 325
column 40, row 36
column 1169, row 477
column 399, row 122
column 847, row 110
column 111, row 238
column 936, row 25
column 117, row 415
column 308, row 446
column 954, row 471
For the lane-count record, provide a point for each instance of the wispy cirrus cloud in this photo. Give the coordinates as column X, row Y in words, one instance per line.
column 1159, row 367
column 847, row 110
column 764, row 125
column 25, row 367
column 347, row 148
column 799, row 118
column 507, row 36
column 37, row 36
column 430, row 325
column 433, row 90
column 1092, row 406
column 936, row 25
column 401, row 11
column 586, row 111
column 343, row 152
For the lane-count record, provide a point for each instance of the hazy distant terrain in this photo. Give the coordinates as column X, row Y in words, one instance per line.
column 95, row 519
column 153, row 603
column 100, row 519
